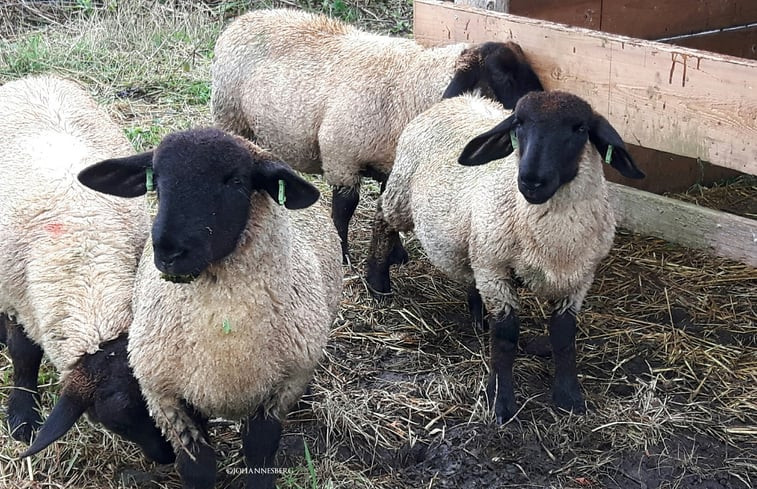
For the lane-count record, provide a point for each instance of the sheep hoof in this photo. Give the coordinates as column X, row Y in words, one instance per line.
column 377, row 277
column 567, row 395
column 502, row 399
column 23, row 422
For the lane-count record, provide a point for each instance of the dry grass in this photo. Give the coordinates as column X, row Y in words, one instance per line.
column 667, row 342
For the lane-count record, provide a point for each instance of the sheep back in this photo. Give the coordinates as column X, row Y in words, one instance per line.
column 322, row 95
column 58, row 238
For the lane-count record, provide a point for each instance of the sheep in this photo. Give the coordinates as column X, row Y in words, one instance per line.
column 541, row 212
column 329, row 98
column 67, row 266
column 242, row 331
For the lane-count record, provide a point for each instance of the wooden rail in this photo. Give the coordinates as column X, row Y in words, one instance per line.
column 673, row 99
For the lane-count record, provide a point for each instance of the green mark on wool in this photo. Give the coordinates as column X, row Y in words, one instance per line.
column 226, row 326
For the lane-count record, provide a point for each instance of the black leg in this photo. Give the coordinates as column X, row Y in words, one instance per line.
column 477, row 309
column 566, row 391
column 383, row 241
column 199, row 473
column 503, row 338
column 343, row 205
column 26, row 356
column 3, row 330
column 260, row 440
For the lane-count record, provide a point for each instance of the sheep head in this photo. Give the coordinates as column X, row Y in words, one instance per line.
column 550, row 130
column 204, row 179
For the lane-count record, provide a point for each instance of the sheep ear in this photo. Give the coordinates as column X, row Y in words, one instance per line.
column 123, row 177
column 284, row 185
column 464, row 80
column 491, row 145
column 603, row 135
column 64, row 415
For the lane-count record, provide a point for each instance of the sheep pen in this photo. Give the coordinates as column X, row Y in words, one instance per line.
column 667, row 346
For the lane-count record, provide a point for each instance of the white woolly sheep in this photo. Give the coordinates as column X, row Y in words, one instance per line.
column 241, row 339
column 67, row 265
column 329, row 98
column 541, row 212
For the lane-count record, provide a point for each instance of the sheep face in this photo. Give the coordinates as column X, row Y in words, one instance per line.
column 103, row 385
column 204, row 180
column 550, row 130
column 499, row 69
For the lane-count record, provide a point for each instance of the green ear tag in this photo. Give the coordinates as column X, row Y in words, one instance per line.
column 226, row 326
column 151, row 197
column 608, row 155
column 148, row 180
column 282, row 194
column 513, row 140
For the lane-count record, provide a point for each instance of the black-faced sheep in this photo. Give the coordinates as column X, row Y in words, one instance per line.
column 241, row 338
column 541, row 212
column 329, row 98
column 67, row 265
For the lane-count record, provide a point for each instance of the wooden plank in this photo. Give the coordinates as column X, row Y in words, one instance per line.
column 495, row 5
column 741, row 43
column 686, row 224
column 666, row 172
column 579, row 13
column 647, row 19
column 673, row 99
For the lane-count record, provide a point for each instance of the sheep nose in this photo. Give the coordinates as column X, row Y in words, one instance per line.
column 167, row 254
column 531, row 184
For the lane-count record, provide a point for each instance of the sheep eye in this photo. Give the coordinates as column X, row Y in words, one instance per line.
column 233, row 181
column 580, row 128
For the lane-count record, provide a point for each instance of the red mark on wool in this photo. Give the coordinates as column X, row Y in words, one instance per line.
column 54, row 228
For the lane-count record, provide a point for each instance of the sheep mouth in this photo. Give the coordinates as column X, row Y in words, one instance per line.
column 178, row 279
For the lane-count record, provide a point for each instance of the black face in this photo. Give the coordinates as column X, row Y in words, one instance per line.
column 499, row 70
column 507, row 72
column 551, row 131
column 551, row 143
column 118, row 403
column 204, row 200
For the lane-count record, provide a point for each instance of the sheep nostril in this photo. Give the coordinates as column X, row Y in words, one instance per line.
column 531, row 185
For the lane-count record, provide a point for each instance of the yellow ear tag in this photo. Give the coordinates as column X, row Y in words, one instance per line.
column 282, row 194
column 513, row 140
column 151, row 197
column 608, row 155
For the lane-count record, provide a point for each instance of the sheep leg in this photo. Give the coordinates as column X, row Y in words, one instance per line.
column 195, row 457
column 3, row 330
column 260, row 441
column 398, row 255
column 23, row 416
column 503, row 339
column 477, row 309
column 383, row 241
column 343, row 205
column 566, row 391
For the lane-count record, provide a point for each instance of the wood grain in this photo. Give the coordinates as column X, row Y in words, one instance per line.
column 679, row 100
column 687, row 224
